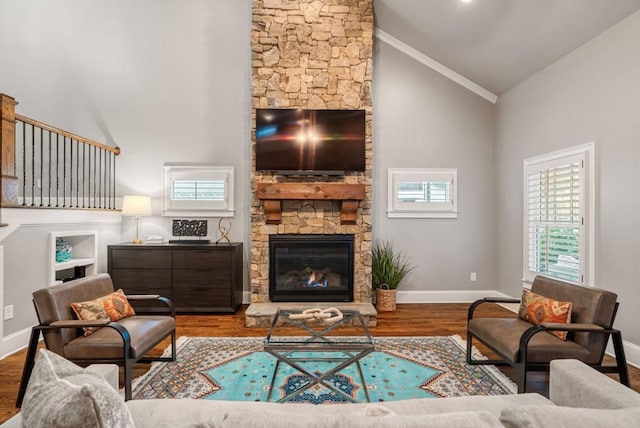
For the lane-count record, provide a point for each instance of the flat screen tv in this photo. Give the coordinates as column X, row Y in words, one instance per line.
column 299, row 141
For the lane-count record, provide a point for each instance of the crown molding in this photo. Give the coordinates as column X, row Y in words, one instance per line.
column 435, row 65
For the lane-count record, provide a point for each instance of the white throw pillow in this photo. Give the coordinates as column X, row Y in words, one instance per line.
column 62, row 394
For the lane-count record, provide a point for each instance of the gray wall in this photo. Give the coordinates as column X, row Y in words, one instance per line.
column 26, row 265
column 424, row 120
column 162, row 80
column 592, row 94
column 165, row 80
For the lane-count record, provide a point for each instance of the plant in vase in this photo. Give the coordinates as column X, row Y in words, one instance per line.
column 389, row 267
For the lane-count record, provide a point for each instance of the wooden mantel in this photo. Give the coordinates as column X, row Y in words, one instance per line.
column 274, row 193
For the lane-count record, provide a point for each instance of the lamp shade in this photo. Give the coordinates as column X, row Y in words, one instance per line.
column 136, row 206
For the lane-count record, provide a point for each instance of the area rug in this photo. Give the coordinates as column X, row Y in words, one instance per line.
column 237, row 369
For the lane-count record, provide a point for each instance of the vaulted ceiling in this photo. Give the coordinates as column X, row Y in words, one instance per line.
column 498, row 43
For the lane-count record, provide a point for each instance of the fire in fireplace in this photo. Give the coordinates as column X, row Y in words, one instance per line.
column 311, row 268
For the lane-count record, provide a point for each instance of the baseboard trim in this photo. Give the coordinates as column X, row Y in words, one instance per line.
column 445, row 296
column 631, row 351
column 411, row 296
column 15, row 342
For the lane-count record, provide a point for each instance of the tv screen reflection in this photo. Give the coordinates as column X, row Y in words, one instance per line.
column 310, row 140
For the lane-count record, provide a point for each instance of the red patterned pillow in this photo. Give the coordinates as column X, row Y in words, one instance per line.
column 114, row 306
column 538, row 309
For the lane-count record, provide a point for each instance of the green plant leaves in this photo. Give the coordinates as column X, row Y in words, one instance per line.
column 388, row 266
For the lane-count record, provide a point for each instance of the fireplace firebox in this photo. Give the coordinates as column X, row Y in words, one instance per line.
column 311, row 268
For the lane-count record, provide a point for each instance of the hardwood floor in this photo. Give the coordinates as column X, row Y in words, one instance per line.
column 407, row 320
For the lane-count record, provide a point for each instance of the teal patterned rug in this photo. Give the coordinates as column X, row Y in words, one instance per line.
column 237, row 369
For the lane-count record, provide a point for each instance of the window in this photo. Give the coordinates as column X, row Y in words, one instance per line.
column 559, row 215
column 424, row 193
column 198, row 191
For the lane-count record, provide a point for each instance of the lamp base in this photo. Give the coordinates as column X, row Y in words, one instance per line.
column 137, row 239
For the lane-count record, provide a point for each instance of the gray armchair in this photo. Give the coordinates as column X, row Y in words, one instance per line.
column 529, row 347
column 122, row 342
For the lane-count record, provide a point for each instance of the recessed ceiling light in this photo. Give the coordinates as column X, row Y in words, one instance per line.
column 466, row 1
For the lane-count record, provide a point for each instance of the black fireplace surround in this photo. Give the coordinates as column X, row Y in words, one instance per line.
column 311, row 268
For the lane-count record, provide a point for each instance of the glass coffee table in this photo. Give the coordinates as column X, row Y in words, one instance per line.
column 319, row 343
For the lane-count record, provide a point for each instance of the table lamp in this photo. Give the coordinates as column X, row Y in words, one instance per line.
column 136, row 206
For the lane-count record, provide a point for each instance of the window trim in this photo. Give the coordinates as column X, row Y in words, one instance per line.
column 589, row 201
column 397, row 209
column 197, row 208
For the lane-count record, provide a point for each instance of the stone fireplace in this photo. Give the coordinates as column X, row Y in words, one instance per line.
column 312, row 54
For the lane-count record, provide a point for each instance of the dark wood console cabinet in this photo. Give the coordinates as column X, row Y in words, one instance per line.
column 197, row 278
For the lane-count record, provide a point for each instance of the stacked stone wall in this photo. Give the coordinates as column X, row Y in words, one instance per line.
column 314, row 54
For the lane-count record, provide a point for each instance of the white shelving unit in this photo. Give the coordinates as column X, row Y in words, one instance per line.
column 84, row 253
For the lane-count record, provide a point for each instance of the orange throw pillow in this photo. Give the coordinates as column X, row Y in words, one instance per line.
column 538, row 309
column 114, row 307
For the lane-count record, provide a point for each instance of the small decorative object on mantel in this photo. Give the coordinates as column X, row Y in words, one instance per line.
column 224, row 228
column 189, row 228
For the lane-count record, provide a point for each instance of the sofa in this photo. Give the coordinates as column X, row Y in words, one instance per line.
column 579, row 396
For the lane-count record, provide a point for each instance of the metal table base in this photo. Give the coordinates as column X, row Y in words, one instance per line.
column 287, row 349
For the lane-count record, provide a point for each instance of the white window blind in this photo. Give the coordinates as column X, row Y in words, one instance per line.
column 420, row 191
column 556, row 201
column 425, row 192
column 198, row 191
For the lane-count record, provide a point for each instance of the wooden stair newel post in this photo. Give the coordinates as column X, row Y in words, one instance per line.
column 9, row 182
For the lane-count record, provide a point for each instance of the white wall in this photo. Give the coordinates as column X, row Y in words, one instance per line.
column 424, row 120
column 592, row 94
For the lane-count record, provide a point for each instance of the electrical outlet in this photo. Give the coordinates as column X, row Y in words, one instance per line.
column 473, row 277
column 39, row 184
column 8, row 312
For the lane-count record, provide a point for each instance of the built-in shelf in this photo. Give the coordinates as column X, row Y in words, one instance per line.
column 84, row 251
column 272, row 195
column 73, row 263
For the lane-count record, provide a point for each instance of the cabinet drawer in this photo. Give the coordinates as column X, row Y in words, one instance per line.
column 140, row 258
column 143, row 281
column 197, row 278
column 204, row 279
column 199, row 300
column 202, row 259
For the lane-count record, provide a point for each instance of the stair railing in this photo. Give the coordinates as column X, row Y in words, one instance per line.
column 47, row 167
